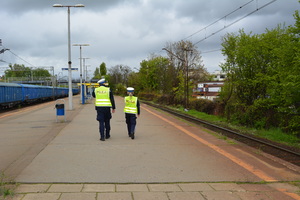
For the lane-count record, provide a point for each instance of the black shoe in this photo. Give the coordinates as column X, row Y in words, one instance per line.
column 102, row 139
column 107, row 137
column 132, row 135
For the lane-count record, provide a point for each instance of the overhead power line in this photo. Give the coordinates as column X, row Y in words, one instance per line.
column 210, row 51
column 21, row 58
column 221, row 29
column 224, row 17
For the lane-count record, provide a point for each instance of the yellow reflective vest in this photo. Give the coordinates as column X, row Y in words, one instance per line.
column 102, row 97
column 130, row 105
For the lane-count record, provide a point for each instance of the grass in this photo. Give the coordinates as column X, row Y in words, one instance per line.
column 273, row 134
column 4, row 191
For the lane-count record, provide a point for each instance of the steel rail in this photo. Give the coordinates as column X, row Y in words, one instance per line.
column 235, row 134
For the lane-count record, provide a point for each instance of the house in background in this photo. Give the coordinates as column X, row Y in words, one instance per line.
column 210, row 89
column 219, row 75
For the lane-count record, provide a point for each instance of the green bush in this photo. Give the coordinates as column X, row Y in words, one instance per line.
column 203, row 105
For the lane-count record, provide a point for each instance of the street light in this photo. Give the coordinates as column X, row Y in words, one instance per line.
column 69, row 52
column 84, row 68
column 81, row 92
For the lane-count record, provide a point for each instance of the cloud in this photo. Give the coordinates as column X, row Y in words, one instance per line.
column 126, row 31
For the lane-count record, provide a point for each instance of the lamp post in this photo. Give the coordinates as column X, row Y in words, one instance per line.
column 84, row 69
column 69, row 52
column 81, row 88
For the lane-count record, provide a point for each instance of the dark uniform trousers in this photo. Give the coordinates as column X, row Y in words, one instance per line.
column 131, row 122
column 104, row 116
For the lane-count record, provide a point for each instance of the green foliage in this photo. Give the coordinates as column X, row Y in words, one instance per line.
column 119, row 75
column 17, row 70
column 4, row 191
column 103, row 70
column 273, row 134
column 97, row 74
column 154, row 75
column 120, row 89
column 263, row 85
column 203, row 105
column 180, row 88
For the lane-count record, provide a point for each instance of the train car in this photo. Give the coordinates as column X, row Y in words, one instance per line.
column 10, row 94
column 34, row 93
column 75, row 91
column 64, row 92
column 61, row 92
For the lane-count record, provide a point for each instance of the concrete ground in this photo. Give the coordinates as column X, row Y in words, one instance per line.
column 168, row 159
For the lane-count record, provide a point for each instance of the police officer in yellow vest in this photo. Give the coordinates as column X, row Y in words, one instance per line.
column 103, row 104
column 132, row 108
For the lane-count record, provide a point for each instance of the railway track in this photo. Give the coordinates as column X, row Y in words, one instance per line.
column 287, row 153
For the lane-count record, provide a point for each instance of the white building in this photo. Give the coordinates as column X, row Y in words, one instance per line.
column 208, row 90
column 219, row 75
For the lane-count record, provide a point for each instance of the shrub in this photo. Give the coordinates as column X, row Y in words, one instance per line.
column 203, row 105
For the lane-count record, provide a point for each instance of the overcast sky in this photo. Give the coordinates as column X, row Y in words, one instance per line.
column 127, row 31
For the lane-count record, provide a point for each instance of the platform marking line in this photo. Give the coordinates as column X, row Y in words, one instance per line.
column 238, row 161
column 293, row 195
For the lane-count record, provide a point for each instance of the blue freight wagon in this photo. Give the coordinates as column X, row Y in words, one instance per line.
column 10, row 94
column 33, row 93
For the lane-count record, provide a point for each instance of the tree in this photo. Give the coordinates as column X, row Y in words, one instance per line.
column 97, row 74
column 187, row 62
column 156, row 75
column 119, row 74
column 17, row 70
column 263, row 78
column 40, row 72
column 103, row 69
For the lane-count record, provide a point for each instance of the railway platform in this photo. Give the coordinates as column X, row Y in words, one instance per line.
column 169, row 159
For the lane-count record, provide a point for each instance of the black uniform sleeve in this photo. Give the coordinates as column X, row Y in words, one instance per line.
column 112, row 100
column 138, row 107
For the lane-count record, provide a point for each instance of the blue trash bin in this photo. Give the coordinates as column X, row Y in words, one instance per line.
column 60, row 109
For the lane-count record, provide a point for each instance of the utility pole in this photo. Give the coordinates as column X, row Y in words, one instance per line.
column 186, row 66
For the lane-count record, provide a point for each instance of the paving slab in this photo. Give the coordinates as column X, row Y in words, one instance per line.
column 115, row 196
column 253, row 195
column 189, row 187
column 65, row 188
column 99, row 188
column 172, row 191
column 220, row 195
column 44, row 196
column 226, row 187
column 164, row 188
column 132, row 188
column 78, row 196
column 150, row 196
column 32, row 188
column 185, row 195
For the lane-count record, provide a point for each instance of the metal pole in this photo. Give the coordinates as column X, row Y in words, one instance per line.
column 83, row 69
column 70, row 64
column 82, row 97
column 84, row 88
column 187, row 81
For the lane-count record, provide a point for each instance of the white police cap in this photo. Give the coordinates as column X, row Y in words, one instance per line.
column 101, row 81
column 130, row 89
